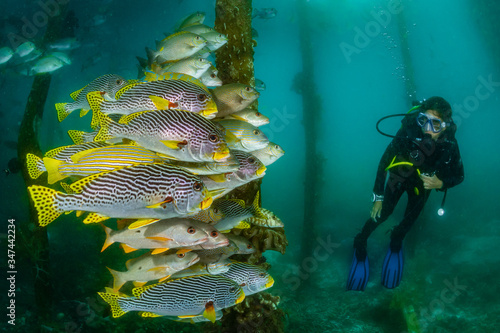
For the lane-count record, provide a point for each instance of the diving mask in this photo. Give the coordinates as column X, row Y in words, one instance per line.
column 430, row 123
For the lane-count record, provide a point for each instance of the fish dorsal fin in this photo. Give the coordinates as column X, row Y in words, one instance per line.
column 185, row 78
column 74, row 94
column 142, row 223
column 55, row 151
column 95, row 218
column 127, row 118
column 80, row 184
column 120, row 92
column 138, row 291
column 150, row 76
column 174, row 35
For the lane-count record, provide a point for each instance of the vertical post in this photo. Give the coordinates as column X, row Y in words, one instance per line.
column 409, row 73
column 235, row 60
column 28, row 143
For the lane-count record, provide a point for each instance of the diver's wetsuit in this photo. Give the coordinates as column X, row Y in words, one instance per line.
column 441, row 157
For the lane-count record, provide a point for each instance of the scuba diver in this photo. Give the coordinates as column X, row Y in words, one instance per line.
column 422, row 156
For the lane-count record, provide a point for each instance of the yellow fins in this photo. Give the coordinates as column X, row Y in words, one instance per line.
column 161, row 103
column 62, row 113
column 35, row 166
column 44, row 199
column 112, row 300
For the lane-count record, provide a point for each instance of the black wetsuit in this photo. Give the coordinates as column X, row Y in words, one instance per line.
column 441, row 157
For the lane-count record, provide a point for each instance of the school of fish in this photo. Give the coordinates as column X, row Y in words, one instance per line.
column 164, row 151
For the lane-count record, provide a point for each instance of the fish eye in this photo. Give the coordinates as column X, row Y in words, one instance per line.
column 251, row 160
column 256, row 132
column 181, row 255
column 197, row 186
column 258, row 114
column 201, row 97
column 118, row 82
column 216, row 210
column 191, row 230
column 243, row 284
column 262, row 275
column 248, row 88
column 249, row 246
column 213, row 138
column 213, row 76
column 214, row 233
column 232, row 289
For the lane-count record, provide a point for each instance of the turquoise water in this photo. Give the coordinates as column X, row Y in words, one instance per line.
column 449, row 283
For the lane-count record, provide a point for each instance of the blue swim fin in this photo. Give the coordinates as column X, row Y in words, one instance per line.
column 358, row 276
column 392, row 270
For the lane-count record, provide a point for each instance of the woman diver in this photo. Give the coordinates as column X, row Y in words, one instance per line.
column 423, row 155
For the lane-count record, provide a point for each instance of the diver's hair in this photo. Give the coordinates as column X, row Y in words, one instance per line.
column 440, row 105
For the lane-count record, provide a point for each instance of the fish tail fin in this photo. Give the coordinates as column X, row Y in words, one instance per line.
column 45, row 201
column 112, row 299
column 76, row 136
column 35, row 166
column 108, row 240
column 118, row 280
column 52, row 165
column 256, row 207
column 151, row 56
column 95, row 100
column 106, row 124
column 62, row 111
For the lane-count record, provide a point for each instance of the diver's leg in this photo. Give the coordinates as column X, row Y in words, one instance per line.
column 391, row 197
column 416, row 203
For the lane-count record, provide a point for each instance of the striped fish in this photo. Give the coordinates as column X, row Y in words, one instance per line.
column 250, row 169
column 251, row 138
column 251, row 278
column 184, row 297
column 269, row 219
column 181, row 135
column 234, row 211
column 155, row 95
column 269, row 154
column 153, row 191
column 233, row 97
column 109, row 84
column 251, row 116
column 92, row 161
column 150, row 267
column 35, row 164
